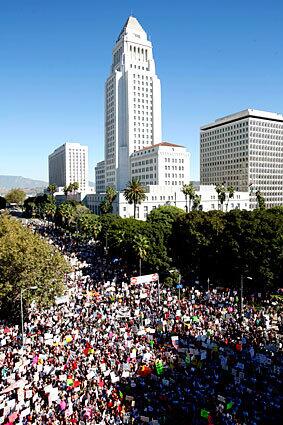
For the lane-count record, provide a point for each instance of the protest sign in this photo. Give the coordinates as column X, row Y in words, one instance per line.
column 139, row 280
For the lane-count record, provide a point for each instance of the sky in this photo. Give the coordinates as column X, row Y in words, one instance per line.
column 213, row 58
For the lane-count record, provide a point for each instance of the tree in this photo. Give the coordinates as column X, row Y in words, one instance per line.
column 135, row 193
column 231, row 191
column 26, row 260
column 52, row 189
column 221, row 192
column 2, row 203
column 222, row 246
column 89, row 225
column 105, row 207
column 67, row 212
column 196, row 244
column 49, row 209
column 260, row 200
column 162, row 219
column 108, row 223
column 30, row 206
column 75, row 186
column 66, row 190
column 111, row 194
column 141, row 246
column 189, row 191
column 197, row 201
column 16, row 196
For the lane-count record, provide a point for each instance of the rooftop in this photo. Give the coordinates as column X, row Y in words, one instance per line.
column 246, row 113
column 165, row 144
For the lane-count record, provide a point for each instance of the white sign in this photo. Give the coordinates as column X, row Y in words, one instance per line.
column 138, row 280
column 62, row 300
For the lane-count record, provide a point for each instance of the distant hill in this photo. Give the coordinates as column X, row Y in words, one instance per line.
column 29, row 185
column 10, row 182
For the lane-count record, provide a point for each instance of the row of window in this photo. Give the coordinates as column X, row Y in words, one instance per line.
column 144, row 177
column 139, row 67
column 142, row 83
column 174, row 183
column 266, row 124
column 147, row 161
column 174, row 167
column 174, row 175
column 142, row 170
column 139, row 52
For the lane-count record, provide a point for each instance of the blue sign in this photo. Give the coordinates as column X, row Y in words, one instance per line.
column 179, row 286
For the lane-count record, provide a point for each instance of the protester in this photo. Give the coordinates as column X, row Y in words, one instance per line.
column 110, row 353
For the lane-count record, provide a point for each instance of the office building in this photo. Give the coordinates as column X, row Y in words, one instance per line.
column 69, row 164
column 245, row 150
column 164, row 164
column 157, row 196
column 100, row 177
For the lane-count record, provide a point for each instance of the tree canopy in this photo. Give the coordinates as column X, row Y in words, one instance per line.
column 2, row 203
column 25, row 261
column 222, row 246
column 16, row 196
column 214, row 245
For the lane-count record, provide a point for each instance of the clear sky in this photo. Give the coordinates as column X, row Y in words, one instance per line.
column 213, row 58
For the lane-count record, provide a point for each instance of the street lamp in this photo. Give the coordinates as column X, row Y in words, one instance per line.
column 106, row 244
column 242, row 292
column 178, row 286
column 22, row 310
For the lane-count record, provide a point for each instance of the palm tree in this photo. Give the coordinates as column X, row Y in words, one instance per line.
column 66, row 190
column 105, row 207
column 141, row 246
column 67, row 212
column 89, row 225
column 111, row 194
column 231, row 191
column 52, row 189
column 135, row 193
column 119, row 238
column 32, row 208
column 260, row 200
column 75, row 186
column 189, row 191
column 49, row 209
column 221, row 192
column 197, row 201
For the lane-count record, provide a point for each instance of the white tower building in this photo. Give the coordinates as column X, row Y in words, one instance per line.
column 132, row 103
column 69, row 164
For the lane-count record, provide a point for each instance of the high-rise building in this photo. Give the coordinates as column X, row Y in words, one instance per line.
column 245, row 150
column 132, row 103
column 69, row 164
column 164, row 164
column 100, row 177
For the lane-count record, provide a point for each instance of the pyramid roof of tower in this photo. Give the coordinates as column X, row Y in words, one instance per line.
column 131, row 25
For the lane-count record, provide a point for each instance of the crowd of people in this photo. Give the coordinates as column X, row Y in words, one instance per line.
column 111, row 352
